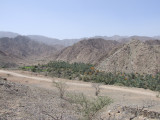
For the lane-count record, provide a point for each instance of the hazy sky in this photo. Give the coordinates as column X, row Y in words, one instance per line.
column 80, row 18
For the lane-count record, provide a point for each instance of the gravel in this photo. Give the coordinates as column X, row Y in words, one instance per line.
column 22, row 102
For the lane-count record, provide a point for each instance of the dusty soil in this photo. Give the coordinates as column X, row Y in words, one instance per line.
column 121, row 95
column 22, row 102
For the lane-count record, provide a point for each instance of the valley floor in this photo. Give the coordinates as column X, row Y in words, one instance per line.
column 123, row 96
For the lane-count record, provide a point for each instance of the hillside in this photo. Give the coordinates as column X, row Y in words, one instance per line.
column 43, row 39
column 135, row 56
column 125, row 39
column 53, row 41
column 8, row 34
column 6, row 61
column 23, row 49
column 87, row 51
column 32, row 103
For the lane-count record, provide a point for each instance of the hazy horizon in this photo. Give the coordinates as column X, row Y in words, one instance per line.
column 81, row 18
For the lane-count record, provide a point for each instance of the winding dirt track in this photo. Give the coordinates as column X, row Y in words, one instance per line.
column 85, row 84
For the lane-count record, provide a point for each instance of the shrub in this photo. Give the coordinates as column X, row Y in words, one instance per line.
column 62, row 88
column 87, row 106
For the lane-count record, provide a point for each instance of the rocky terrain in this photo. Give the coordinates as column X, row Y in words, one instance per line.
column 7, row 61
column 141, row 55
column 22, row 49
column 135, row 56
column 35, row 99
column 21, row 102
column 87, row 51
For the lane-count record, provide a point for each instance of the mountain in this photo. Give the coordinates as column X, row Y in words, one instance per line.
column 115, row 37
column 69, row 42
column 59, row 44
column 43, row 39
column 53, row 41
column 8, row 34
column 135, row 56
column 23, row 49
column 87, row 51
column 157, row 37
column 7, row 61
column 125, row 39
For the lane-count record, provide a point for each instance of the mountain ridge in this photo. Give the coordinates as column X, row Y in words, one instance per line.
column 23, row 49
column 87, row 51
column 135, row 56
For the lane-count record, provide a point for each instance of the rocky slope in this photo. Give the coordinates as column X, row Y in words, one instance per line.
column 34, row 102
column 135, row 56
column 87, row 51
column 6, row 61
column 22, row 48
column 22, row 102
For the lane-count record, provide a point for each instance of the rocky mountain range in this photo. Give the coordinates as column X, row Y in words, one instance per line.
column 69, row 42
column 110, row 54
column 22, row 48
column 135, row 56
column 8, row 34
column 87, row 51
column 43, row 39
column 7, row 61
column 54, row 41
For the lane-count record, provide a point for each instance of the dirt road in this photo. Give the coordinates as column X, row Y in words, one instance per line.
column 85, row 84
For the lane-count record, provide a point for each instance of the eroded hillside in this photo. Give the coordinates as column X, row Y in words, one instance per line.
column 135, row 56
column 22, row 49
column 87, row 51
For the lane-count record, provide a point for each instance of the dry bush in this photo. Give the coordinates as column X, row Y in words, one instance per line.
column 97, row 88
column 62, row 88
column 88, row 107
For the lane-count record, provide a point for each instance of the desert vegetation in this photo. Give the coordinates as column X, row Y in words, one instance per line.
column 89, row 73
column 88, row 106
column 62, row 88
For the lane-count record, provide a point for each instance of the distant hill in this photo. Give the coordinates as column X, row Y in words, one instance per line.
column 125, row 39
column 53, row 41
column 69, row 42
column 157, row 37
column 135, row 56
column 87, row 51
column 43, row 39
column 23, row 49
column 8, row 34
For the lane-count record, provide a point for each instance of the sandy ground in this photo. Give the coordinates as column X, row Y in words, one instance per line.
column 120, row 95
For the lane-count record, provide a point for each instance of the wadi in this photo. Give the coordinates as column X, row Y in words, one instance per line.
column 97, row 78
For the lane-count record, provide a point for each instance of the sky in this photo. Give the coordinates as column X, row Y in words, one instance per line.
column 65, row 19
